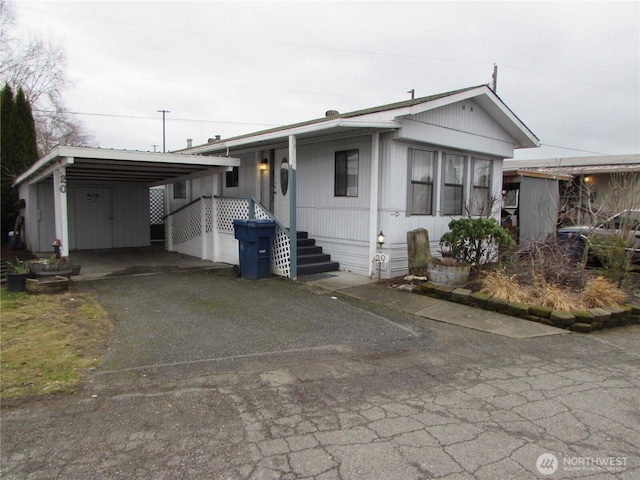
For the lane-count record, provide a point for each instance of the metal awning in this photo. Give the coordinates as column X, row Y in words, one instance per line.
column 97, row 164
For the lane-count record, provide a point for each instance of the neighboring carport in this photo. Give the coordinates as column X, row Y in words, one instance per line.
column 101, row 193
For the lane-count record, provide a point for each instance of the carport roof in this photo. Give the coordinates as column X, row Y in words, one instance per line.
column 151, row 168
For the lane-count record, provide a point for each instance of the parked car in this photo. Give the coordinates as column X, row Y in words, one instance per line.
column 625, row 223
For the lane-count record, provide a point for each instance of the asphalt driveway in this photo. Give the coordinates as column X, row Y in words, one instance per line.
column 207, row 314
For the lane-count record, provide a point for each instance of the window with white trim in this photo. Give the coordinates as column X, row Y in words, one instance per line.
column 422, row 173
column 481, row 188
column 453, row 184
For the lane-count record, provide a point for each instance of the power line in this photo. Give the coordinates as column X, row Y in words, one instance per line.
column 574, row 149
column 143, row 117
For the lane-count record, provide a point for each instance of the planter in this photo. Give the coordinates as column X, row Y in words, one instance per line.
column 46, row 269
column 16, row 282
column 51, row 284
column 448, row 273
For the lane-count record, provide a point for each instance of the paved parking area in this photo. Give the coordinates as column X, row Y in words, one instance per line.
column 218, row 377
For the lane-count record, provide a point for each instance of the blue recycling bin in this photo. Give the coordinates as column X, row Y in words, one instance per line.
column 255, row 238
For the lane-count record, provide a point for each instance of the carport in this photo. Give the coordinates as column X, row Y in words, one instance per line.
column 92, row 198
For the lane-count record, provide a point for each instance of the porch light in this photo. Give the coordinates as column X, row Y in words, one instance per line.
column 380, row 239
column 264, row 165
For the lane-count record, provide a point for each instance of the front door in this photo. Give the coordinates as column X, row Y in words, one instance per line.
column 93, row 218
column 281, row 186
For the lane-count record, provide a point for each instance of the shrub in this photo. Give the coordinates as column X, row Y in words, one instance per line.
column 611, row 252
column 476, row 241
column 498, row 284
column 599, row 292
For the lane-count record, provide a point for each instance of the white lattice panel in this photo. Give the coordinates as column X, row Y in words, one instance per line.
column 228, row 210
column 281, row 253
column 186, row 224
column 156, row 205
column 208, row 211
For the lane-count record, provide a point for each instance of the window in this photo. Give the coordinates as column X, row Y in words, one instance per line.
column 453, row 192
column 422, row 171
column 180, row 189
column 481, row 194
column 346, row 174
column 233, row 177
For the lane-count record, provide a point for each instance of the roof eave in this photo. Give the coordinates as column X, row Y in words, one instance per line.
column 270, row 136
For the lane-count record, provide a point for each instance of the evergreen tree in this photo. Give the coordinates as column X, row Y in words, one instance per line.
column 18, row 151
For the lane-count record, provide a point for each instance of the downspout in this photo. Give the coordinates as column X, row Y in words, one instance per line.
column 373, row 199
column 293, row 229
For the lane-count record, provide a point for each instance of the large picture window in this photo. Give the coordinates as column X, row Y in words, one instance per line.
column 422, row 168
column 481, row 194
column 453, row 191
column 346, row 174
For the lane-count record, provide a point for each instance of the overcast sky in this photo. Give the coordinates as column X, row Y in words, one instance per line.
column 570, row 71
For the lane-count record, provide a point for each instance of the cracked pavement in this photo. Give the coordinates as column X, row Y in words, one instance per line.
column 287, row 382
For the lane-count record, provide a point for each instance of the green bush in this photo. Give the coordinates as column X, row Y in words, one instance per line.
column 476, row 241
column 610, row 250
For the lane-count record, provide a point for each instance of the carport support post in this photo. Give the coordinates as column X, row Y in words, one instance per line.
column 293, row 229
column 60, row 209
column 373, row 199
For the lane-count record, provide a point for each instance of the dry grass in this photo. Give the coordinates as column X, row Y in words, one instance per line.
column 600, row 292
column 552, row 296
column 49, row 341
column 498, row 284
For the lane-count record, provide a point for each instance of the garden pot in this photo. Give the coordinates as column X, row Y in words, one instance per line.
column 443, row 274
column 16, row 282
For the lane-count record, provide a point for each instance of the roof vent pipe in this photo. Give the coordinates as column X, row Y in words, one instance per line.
column 189, row 142
column 331, row 113
column 217, row 137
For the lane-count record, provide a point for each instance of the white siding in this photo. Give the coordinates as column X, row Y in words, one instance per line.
column 339, row 224
column 463, row 125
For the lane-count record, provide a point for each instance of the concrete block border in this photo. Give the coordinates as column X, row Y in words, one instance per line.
column 583, row 321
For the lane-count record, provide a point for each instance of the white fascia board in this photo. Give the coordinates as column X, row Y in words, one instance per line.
column 35, row 172
column 151, row 157
column 357, row 122
column 67, row 154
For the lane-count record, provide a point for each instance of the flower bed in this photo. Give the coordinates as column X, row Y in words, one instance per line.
column 583, row 321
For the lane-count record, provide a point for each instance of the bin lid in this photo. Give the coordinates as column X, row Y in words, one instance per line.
column 253, row 223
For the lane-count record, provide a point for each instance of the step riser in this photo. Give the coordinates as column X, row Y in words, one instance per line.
column 318, row 268
column 318, row 258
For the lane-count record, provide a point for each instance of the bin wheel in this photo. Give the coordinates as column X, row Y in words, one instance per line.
column 236, row 270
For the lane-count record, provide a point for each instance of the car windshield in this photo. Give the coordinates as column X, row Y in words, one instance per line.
column 627, row 220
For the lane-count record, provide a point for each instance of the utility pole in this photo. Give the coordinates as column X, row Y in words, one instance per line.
column 164, row 143
column 494, row 79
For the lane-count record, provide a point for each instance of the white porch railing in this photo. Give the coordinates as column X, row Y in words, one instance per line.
column 189, row 230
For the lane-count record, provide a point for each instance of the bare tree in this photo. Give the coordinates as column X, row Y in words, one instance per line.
column 38, row 67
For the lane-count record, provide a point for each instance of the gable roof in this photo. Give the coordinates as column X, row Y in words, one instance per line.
column 383, row 117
